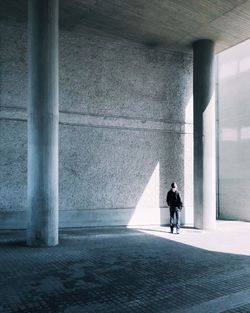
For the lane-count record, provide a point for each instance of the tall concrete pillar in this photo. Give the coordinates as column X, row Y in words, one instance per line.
column 43, row 120
column 204, row 135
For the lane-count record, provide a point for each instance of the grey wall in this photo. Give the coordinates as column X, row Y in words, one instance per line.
column 123, row 135
column 234, row 133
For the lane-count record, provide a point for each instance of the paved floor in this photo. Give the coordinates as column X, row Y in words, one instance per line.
column 128, row 270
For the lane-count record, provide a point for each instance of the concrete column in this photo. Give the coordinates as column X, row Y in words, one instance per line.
column 204, row 135
column 43, row 120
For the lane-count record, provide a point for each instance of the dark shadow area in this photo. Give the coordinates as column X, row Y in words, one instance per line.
column 119, row 270
column 12, row 238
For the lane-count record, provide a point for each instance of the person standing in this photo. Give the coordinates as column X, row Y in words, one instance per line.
column 175, row 206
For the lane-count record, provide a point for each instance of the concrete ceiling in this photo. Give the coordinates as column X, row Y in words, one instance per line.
column 172, row 24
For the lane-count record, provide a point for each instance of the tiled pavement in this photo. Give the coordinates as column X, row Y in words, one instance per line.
column 127, row 270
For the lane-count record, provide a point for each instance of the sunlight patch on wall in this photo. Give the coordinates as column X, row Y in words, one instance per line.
column 209, row 165
column 228, row 69
column 147, row 211
column 244, row 65
column 234, row 132
column 229, row 134
column 188, row 166
column 245, row 133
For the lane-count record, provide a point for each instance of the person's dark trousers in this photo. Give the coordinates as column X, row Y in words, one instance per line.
column 175, row 211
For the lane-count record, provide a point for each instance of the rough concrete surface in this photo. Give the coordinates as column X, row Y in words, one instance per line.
column 167, row 23
column 122, row 114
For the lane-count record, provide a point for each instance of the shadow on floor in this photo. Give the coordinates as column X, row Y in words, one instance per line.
column 119, row 270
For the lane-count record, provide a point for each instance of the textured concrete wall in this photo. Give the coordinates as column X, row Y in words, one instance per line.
column 122, row 133
column 234, row 133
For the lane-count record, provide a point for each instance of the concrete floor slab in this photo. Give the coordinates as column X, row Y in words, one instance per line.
column 128, row 270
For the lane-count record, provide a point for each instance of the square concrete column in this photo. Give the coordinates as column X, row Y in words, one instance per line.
column 204, row 135
column 43, row 120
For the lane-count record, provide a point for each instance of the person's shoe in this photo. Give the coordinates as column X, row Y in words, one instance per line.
column 178, row 231
column 171, row 230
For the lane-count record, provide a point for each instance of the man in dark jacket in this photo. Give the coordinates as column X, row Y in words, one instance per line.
column 175, row 205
